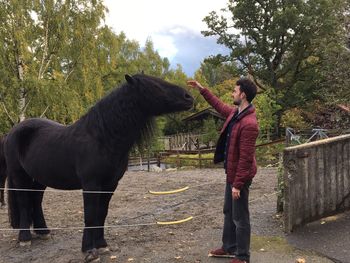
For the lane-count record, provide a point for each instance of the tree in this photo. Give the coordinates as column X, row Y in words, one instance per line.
column 333, row 71
column 275, row 42
column 58, row 59
column 210, row 132
column 47, row 62
column 215, row 71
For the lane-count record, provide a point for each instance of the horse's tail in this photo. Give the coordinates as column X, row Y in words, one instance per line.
column 3, row 173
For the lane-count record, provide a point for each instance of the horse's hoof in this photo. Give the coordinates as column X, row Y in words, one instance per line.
column 25, row 243
column 103, row 250
column 92, row 256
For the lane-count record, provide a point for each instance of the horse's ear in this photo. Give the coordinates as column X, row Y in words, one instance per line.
column 129, row 79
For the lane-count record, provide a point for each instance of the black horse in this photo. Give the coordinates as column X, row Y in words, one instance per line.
column 91, row 154
column 2, row 172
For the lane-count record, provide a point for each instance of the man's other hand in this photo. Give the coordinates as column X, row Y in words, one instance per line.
column 236, row 193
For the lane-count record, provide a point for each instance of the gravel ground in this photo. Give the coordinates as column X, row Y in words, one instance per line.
column 132, row 205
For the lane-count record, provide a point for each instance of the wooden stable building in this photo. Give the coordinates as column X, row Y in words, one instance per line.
column 204, row 115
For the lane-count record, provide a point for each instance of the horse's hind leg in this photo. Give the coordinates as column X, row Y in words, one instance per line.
column 2, row 185
column 2, row 197
column 38, row 215
column 23, row 203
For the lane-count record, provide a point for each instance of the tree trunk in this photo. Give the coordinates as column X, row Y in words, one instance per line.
column 21, row 97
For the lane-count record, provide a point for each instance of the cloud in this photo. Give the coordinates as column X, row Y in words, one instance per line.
column 191, row 47
column 173, row 26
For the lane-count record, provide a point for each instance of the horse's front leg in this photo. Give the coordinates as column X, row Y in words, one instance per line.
column 101, row 243
column 38, row 215
column 91, row 208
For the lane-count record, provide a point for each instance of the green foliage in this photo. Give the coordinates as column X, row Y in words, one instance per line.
column 268, row 154
column 266, row 109
column 293, row 118
column 49, row 59
column 215, row 71
column 191, row 160
column 68, row 59
column 210, row 132
column 280, row 43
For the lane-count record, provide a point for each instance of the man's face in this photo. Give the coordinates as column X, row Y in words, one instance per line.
column 237, row 96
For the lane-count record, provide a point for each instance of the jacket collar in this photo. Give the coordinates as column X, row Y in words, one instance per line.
column 250, row 109
column 247, row 111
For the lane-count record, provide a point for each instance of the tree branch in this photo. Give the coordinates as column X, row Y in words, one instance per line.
column 7, row 113
column 42, row 114
column 41, row 70
column 70, row 72
column 26, row 106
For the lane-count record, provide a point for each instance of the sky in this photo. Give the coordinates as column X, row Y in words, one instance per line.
column 173, row 26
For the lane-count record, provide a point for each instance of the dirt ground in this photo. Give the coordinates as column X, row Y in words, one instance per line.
column 133, row 235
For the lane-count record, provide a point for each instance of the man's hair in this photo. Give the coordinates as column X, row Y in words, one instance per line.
column 248, row 87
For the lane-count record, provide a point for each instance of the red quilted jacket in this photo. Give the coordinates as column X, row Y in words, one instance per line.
column 241, row 162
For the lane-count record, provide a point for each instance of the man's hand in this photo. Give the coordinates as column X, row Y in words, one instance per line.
column 236, row 193
column 194, row 84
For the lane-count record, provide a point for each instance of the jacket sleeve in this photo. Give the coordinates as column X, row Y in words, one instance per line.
column 216, row 103
column 247, row 142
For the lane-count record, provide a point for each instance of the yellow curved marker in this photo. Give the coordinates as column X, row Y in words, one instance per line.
column 169, row 192
column 175, row 222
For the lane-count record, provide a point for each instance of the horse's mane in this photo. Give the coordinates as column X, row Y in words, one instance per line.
column 117, row 117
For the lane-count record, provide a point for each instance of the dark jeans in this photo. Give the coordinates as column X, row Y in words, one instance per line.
column 236, row 234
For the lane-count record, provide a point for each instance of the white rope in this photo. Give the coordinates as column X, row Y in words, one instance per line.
column 77, row 191
column 78, row 227
column 56, row 190
column 127, row 225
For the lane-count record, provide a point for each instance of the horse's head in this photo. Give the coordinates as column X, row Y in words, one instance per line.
column 159, row 96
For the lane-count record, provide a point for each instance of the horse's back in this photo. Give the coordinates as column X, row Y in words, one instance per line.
column 45, row 152
column 21, row 136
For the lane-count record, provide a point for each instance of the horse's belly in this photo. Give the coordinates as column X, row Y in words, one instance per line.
column 54, row 176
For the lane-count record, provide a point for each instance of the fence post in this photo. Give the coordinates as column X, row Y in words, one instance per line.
column 178, row 159
column 148, row 157
column 200, row 158
column 287, row 137
column 158, row 159
column 280, row 184
column 141, row 162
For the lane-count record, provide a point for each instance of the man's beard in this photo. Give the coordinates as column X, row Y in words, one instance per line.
column 237, row 102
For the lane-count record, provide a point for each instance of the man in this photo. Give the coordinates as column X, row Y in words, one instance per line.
column 236, row 147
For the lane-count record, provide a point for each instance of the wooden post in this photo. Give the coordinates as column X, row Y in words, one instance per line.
column 178, row 159
column 158, row 159
column 200, row 158
column 280, row 185
column 148, row 161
